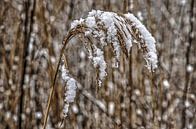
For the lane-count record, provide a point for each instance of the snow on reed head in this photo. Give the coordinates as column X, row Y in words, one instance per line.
column 117, row 29
column 151, row 56
column 109, row 28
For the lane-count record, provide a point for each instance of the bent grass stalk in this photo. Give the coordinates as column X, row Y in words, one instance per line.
column 107, row 28
column 54, row 81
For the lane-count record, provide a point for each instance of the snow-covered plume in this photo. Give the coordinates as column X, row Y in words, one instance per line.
column 150, row 56
column 109, row 29
column 120, row 31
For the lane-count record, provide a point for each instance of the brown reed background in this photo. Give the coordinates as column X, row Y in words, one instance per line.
column 31, row 34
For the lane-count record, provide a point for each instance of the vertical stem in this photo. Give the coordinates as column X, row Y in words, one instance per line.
column 188, row 49
column 51, row 92
column 23, row 65
column 71, row 5
column 27, row 32
column 153, row 100
column 130, row 86
column 71, row 11
column 125, row 8
column 130, row 82
column 107, row 5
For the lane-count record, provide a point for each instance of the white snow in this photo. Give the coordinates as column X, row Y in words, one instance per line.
column 66, row 109
column 110, row 21
column 106, row 27
column 120, row 22
column 71, row 90
column 90, row 22
column 107, row 20
column 71, row 84
column 64, row 74
column 128, row 37
column 98, row 61
column 75, row 23
column 151, row 56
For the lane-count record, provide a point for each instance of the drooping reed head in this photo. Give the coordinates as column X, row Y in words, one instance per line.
column 109, row 29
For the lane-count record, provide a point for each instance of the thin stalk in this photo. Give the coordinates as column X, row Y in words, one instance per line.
column 65, row 41
column 154, row 105
column 28, row 30
column 187, row 81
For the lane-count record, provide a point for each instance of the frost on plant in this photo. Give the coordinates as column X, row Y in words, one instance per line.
column 71, row 86
column 119, row 31
column 110, row 29
column 151, row 56
column 98, row 61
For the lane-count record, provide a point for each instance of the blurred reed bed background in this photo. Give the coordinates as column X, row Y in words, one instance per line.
column 31, row 35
